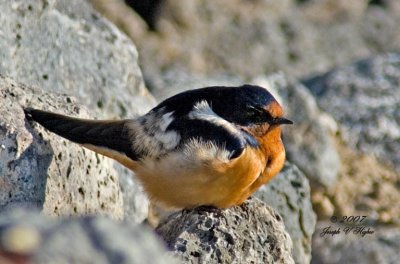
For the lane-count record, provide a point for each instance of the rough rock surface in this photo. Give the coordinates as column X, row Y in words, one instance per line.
column 250, row 38
column 39, row 169
column 250, row 233
column 365, row 187
column 28, row 237
column 66, row 47
column 173, row 82
column 380, row 247
column 289, row 194
column 364, row 98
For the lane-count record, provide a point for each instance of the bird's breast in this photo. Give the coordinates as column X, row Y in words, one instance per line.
column 272, row 146
column 180, row 180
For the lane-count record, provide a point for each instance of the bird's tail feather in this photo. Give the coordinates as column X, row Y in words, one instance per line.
column 108, row 134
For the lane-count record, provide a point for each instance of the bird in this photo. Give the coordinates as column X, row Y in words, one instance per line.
column 212, row 146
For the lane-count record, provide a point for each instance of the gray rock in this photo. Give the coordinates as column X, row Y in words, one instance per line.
column 65, row 46
column 257, row 37
column 379, row 28
column 289, row 194
column 172, row 82
column 39, row 169
column 245, row 39
column 34, row 238
column 250, row 233
column 382, row 246
column 308, row 143
column 364, row 99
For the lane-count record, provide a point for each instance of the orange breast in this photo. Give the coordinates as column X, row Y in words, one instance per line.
column 179, row 183
column 272, row 147
column 179, row 180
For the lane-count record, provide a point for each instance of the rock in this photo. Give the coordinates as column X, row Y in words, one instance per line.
column 289, row 194
column 391, row 5
column 173, row 82
column 365, row 186
column 250, row 233
column 44, row 171
column 122, row 16
column 363, row 98
column 31, row 237
column 332, row 10
column 250, row 38
column 136, row 204
column 380, row 28
column 65, row 46
column 382, row 246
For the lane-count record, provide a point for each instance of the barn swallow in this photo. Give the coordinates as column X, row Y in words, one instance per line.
column 211, row 146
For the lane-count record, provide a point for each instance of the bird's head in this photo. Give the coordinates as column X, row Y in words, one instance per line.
column 252, row 107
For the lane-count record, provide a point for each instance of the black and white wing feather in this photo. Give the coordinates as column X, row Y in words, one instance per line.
column 204, row 127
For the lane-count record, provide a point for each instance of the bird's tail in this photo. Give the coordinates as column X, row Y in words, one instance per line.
column 107, row 137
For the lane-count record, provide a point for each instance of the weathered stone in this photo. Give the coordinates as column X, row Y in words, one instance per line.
column 364, row 99
column 122, row 16
column 325, row 11
column 250, row 233
column 365, row 186
column 31, row 237
column 249, row 38
column 358, row 246
column 289, row 194
column 65, row 46
column 39, row 169
column 379, row 28
column 173, row 82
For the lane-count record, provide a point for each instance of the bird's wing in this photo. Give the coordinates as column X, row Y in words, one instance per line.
column 203, row 125
column 103, row 135
column 151, row 136
column 202, row 132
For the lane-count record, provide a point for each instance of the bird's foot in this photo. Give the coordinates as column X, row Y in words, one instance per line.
column 208, row 209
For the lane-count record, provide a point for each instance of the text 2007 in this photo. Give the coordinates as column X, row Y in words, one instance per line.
column 352, row 219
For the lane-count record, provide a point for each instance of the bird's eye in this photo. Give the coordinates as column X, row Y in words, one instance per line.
column 252, row 111
column 251, row 115
column 258, row 114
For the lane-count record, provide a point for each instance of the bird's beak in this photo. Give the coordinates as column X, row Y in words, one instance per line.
column 280, row 121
